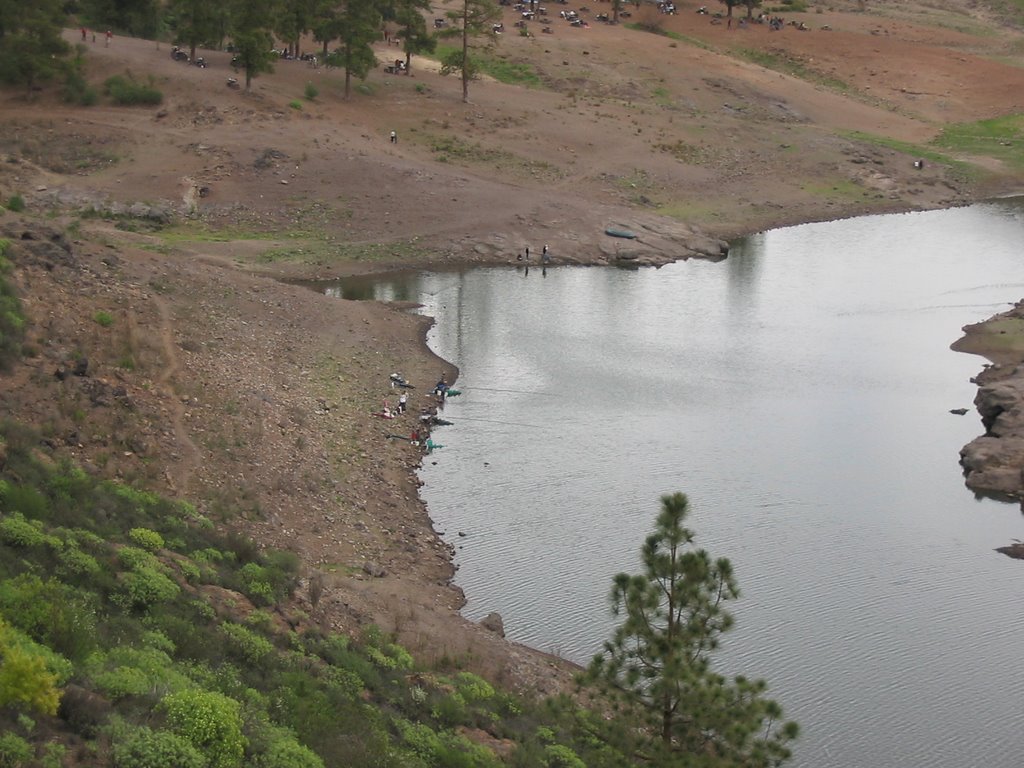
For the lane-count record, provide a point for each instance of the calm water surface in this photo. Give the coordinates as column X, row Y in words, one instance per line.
column 799, row 392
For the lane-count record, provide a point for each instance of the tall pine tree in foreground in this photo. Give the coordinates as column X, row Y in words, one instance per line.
column 658, row 662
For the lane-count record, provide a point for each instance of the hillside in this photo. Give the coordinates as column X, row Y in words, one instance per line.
column 156, row 244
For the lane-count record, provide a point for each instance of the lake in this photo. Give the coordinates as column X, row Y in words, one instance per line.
column 800, row 393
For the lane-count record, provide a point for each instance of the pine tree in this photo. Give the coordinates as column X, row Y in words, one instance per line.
column 193, row 22
column 359, row 28
column 476, row 18
column 659, row 659
column 251, row 22
column 416, row 38
column 31, row 48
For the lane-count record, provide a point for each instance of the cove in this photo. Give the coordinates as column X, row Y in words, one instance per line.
column 800, row 393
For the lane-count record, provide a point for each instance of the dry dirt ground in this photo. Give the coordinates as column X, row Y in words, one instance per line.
column 219, row 382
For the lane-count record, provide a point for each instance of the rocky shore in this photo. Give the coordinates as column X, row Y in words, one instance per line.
column 994, row 462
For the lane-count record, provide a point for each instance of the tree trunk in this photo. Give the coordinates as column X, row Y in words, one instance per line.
column 465, row 57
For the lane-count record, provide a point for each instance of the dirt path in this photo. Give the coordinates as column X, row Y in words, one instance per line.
column 179, row 471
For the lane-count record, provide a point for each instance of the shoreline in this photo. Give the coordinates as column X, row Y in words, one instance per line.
column 972, row 343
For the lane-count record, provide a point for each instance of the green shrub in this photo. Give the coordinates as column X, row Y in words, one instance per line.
column 246, row 643
column 14, row 751
column 211, row 722
column 24, row 499
column 103, row 318
column 78, row 91
column 126, row 92
column 73, row 562
column 134, row 558
column 130, row 671
column 16, row 531
column 561, row 756
column 145, row 587
column 30, row 673
column 141, row 747
column 54, row 614
column 53, row 755
column 288, row 753
column 12, row 318
column 473, row 687
column 16, row 203
column 295, row 104
column 147, row 539
column 311, row 91
column 123, row 681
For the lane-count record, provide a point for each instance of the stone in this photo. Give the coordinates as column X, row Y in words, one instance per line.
column 492, row 622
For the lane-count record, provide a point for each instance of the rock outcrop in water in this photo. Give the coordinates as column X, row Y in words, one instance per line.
column 994, row 462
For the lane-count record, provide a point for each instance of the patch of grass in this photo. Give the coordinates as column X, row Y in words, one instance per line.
column 792, row 65
column 502, row 69
column 661, row 96
column 104, row 319
column 692, row 154
column 662, row 32
column 127, row 92
column 1001, row 138
column 703, row 210
column 199, row 233
column 16, row 203
column 962, row 169
column 366, row 89
column 295, row 104
column 452, row 149
column 837, row 189
column 311, row 92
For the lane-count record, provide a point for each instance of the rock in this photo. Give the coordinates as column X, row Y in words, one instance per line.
column 1015, row 550
column 493, row 623
column 958, row 411
column 373, row 569
column 81, row 367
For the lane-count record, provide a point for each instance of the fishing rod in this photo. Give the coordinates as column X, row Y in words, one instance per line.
column 499, row 421
column 513, row 391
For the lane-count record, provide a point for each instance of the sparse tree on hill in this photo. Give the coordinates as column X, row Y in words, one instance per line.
column 327, row 23
column 416, row 38
column 474, row 19
column 659, row 660
column 31, row 48
column 193, row 22
column 295, row 19
column 136, row 17
column 360, row 27
column 729, row 5
column 751, row 5
column 251, row 22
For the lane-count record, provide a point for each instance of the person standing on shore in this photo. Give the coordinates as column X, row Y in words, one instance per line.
column 402, row 400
